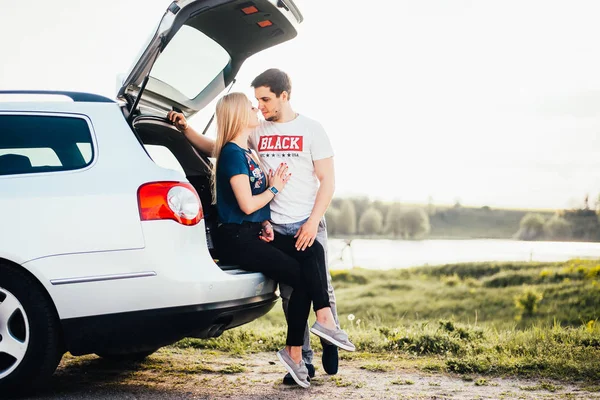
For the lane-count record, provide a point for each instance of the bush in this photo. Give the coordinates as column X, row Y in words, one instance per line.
column 527, row 302
column 479, row 270
column 511, row 278
column 578, row 269
column 451, row 280
column 361, row 204
column 392, row 220
column 448, row 338
column 558, row 228
column 464, row 332
column 412, row 223
column 332, row 217
column 346, row 223
column 531, row 227
column 426, row 343
column 348, row 277
column 371, row 222
column 584, row 222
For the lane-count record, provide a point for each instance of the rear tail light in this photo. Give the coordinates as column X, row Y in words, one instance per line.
column 178, row 201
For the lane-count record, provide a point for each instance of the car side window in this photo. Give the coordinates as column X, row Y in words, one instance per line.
column 39, row 143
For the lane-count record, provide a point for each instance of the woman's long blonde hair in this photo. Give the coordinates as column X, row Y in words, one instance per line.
column 233, row 115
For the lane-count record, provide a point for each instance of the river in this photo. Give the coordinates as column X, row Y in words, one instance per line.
column 388, row 254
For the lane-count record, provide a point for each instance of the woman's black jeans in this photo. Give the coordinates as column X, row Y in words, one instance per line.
column 279, row 260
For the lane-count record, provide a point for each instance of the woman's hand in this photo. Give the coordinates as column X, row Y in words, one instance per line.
column 267, row 234
column 178, row 119
column 280, row 177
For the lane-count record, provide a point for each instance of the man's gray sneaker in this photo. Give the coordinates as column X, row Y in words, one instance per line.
column 299, row 372
column 335, row 336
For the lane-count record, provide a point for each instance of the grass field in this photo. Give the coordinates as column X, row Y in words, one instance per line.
column 524, row 319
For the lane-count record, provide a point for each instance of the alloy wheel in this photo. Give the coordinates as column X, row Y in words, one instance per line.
column 14, row 333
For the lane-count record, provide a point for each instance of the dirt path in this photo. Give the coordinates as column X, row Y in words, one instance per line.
column 192, row 374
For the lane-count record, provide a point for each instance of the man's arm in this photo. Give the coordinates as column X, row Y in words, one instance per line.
column 308, row 232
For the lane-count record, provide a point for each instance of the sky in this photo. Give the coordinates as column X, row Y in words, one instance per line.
column 482, row 102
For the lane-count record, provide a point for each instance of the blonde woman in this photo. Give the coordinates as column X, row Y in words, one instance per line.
column 242, row 193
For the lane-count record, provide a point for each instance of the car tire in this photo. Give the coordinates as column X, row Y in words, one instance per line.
column 30, row 336
column 124, row 357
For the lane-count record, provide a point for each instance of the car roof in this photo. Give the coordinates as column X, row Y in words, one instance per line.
column 74, row 96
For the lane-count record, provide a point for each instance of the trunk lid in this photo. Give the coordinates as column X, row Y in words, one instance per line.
column 198, row 48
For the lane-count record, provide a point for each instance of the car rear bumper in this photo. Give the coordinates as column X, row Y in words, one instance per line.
column 150, row 329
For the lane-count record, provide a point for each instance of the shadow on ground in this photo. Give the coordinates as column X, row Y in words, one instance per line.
column 98, row 378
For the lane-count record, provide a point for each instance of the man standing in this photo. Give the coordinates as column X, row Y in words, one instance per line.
column 288, row 137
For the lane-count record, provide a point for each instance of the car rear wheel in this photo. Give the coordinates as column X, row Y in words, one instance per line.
column 30, row 344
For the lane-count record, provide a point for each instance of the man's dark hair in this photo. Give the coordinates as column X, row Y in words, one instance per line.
column 276, row 80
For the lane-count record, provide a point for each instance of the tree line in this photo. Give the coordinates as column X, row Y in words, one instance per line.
column 352, row 216
column 565, row 225
column 360, row 216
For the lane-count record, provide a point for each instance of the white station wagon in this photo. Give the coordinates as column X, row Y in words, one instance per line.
column 101, row 249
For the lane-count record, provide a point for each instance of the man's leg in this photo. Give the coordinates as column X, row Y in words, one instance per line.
column 330, row 357
column 322, row 238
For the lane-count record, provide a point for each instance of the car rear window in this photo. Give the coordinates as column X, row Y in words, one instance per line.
column 204, row 59
column 163, row 157
column 35, row 144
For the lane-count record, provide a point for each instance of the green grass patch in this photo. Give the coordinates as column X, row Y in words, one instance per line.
column 340, row 382
column 524, row 319
column 591, row 388
column 233, row 369
column 402, row 382
column 376, row 367
column 542, row 386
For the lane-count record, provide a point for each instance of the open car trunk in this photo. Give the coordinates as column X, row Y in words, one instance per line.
column 156, row 132
column 197, row 50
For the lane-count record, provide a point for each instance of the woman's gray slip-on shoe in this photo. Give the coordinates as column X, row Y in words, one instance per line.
column 337, row 336
column 288, row 380
column 298, row 372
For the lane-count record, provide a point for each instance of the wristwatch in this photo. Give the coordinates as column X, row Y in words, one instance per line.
column 274, row 190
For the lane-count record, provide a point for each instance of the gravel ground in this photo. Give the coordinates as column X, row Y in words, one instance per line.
column 194, row 374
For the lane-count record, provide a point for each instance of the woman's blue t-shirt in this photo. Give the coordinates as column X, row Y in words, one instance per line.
column 235, row 160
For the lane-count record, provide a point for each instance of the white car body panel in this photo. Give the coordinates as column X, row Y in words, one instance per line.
column 185, row 274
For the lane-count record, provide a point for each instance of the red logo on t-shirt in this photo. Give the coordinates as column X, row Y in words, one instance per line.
column 280, row 143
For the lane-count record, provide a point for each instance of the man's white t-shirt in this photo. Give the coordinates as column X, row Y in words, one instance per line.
column 298, row 143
